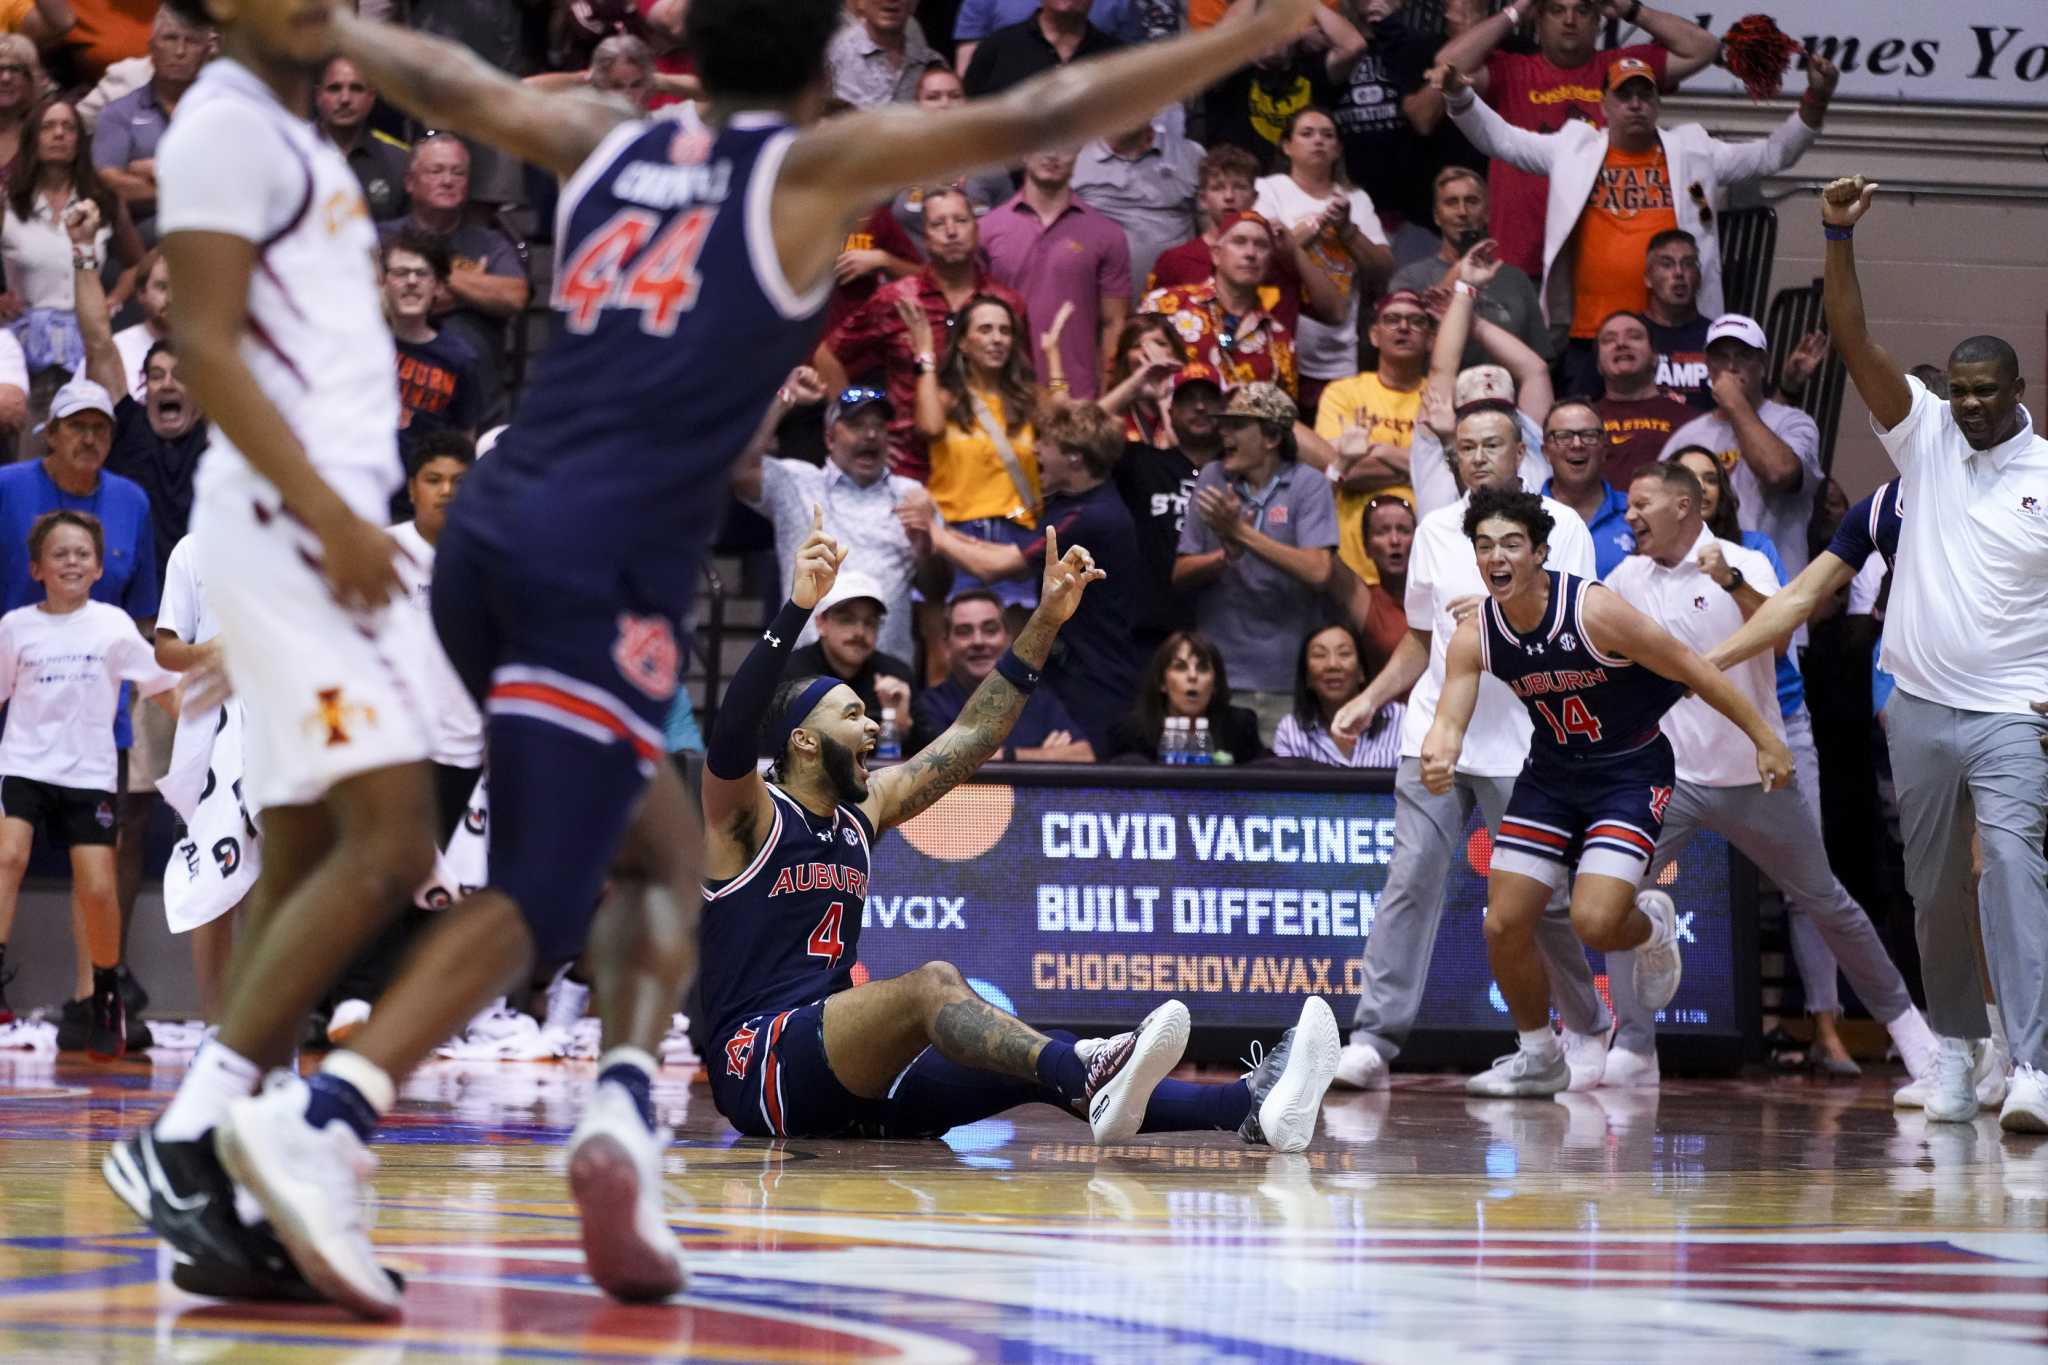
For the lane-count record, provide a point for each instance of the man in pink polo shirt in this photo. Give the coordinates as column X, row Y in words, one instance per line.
column 1053, row 249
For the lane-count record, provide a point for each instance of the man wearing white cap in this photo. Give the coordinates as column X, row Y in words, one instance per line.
column 849, row 620
column 1769, row 451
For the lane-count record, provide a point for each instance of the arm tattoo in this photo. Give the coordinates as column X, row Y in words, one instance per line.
column 984, row 723
column 975, row 1033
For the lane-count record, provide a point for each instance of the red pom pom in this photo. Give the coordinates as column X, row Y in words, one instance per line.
column 1758, row 54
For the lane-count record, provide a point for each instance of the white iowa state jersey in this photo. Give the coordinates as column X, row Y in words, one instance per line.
column 236, row 161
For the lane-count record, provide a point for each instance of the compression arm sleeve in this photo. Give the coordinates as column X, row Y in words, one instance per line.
column 735, row 737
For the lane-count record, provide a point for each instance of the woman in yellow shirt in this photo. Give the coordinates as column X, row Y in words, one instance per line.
column 978, row 409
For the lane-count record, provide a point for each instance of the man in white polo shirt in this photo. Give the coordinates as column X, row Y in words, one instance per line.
column 1966, row 638
column 1444, row 586
column 1700, row 589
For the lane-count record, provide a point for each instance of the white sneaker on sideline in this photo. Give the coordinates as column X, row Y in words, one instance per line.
column 348, row 1016
column 1121, row 1077
column 1629, row 1070
column 1523, row 1075
column 2026, row 1102
column 1657, row 966
column 1952, row 1091
column 1586, row 1055
column 1994, row 1066
column 310, row 1182
column 1360, row 1067
column 1288, row 1083
column 615, row 1177
column 568, row 1001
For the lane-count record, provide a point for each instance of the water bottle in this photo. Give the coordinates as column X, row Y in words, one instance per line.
column 1203, row 748
column 888, row 749
column 1173, row 742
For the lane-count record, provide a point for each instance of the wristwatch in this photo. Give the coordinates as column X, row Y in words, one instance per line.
column 927, row 362
column 1735, row 580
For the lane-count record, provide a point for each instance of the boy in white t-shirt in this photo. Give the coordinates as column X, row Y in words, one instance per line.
column 62, row 663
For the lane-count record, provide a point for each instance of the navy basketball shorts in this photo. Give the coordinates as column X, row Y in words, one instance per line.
column 770, row 1078
column 1601, row 815
column 574, row 692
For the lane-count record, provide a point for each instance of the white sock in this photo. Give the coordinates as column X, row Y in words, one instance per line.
column 1998, row 1027
column 219, row 1076
column 371, row 1081
column 1538, row 1042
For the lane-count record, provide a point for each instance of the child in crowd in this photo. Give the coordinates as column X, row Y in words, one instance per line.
column 62, row 663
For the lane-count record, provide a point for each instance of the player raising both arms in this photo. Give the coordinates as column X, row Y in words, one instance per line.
column 1596, row 675
column 799, row 1050
column 694, row 257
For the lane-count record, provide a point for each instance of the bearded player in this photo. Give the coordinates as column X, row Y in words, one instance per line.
column 797, row 1049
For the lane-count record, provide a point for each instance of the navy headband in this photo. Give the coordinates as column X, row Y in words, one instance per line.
column 813, row 693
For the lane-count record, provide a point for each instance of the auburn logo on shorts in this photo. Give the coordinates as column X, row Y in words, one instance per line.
column 646, row 655
column 104, row 815
column 739, row 1050
column 332, row 715
column 1660, row 797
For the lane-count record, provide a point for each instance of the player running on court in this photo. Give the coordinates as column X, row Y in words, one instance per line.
column 283, row 341
column 799, row 1050
column 1596, row 675
column 695, row 255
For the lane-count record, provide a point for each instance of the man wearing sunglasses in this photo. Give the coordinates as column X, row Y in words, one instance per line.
column 853, row 490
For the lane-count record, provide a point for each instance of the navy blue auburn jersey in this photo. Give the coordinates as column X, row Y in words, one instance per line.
column 675, row 325
column 1585, row 704
column 1872, row 526
column 785, row 932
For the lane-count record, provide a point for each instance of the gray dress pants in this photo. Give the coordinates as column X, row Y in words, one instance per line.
column 1949, row 764
column 1780, row 834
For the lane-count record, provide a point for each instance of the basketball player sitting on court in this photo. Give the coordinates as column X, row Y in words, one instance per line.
column 1596, row 675
column 799, row 1050
column 62, row 663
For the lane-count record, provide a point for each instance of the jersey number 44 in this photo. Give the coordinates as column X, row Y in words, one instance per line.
column 661, row 280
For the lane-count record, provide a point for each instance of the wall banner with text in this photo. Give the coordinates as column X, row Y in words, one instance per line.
column 1089, row 904
column 1922, row 51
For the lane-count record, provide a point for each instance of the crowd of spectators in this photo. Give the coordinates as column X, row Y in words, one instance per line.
column 1231, row 350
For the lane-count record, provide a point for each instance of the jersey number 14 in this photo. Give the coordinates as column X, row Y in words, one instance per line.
column 1577, row 721
column 662, row 281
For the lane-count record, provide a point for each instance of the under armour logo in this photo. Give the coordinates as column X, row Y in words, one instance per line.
column 769, row 636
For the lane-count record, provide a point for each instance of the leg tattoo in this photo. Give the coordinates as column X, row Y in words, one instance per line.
column 975, row 1033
